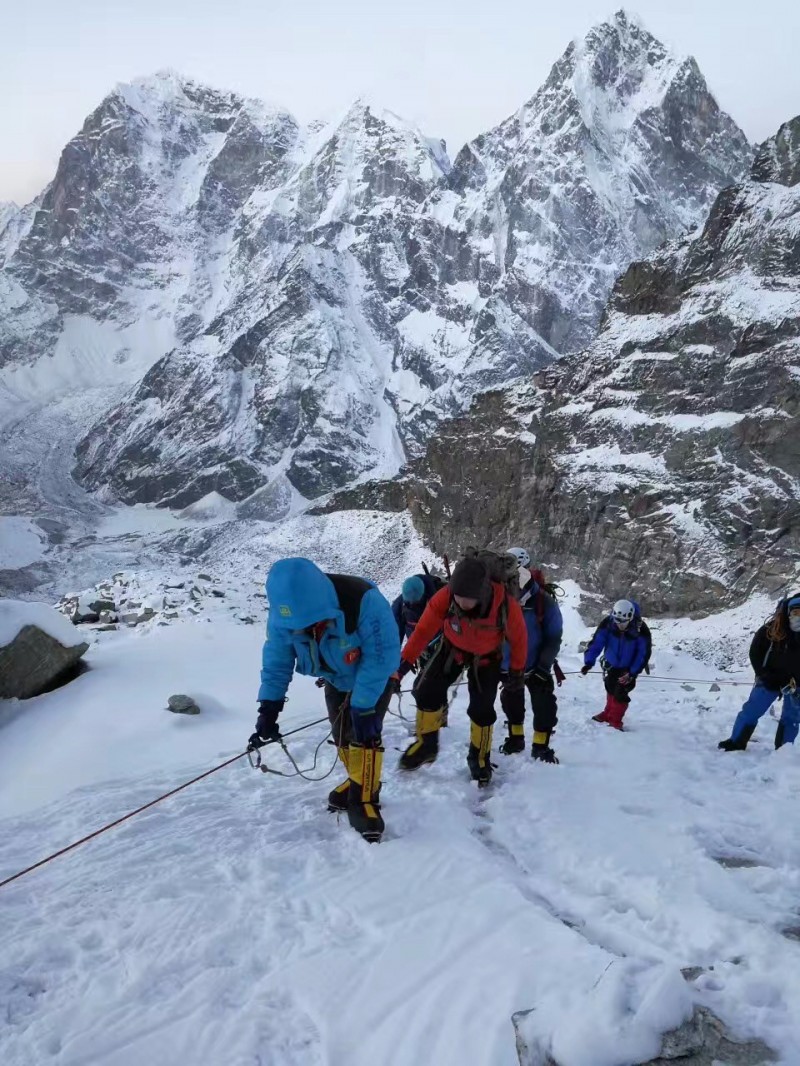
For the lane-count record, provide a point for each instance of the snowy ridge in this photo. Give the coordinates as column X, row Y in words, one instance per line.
column 264, row 267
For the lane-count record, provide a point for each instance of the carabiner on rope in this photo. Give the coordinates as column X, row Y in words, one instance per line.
column 255, row 760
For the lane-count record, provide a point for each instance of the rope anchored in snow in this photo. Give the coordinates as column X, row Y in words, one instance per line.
column 144, row 807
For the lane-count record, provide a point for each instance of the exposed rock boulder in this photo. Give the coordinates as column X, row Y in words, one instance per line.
column 180, row 704
column 702, row 1040
column 39, row 649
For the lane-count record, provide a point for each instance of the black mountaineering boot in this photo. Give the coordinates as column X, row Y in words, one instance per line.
column 741, row 741
column 541, row 750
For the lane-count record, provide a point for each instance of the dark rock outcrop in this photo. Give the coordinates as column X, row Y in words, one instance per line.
column 34, row 662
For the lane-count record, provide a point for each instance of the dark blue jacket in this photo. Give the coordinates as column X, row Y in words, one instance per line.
column 358, row 658
column 623, row 649
column 544, row 639
column 406, row 615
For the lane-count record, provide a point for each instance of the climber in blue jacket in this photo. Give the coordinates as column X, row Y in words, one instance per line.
column 340, row 629
column 625, row 642
column 544, row 626
column 413, row 599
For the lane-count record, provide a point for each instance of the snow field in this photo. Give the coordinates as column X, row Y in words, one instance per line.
column 239, row 922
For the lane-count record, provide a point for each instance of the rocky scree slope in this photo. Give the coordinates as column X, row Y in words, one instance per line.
column 664, row 461
column 306, row 304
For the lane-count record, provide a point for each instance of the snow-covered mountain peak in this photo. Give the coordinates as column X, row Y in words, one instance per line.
column 332, row 292
column 778, row 159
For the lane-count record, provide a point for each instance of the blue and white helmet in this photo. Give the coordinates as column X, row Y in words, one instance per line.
column 623, row 613
column 523, row 558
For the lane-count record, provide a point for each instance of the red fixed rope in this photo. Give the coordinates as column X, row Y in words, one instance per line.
column 119, row 821
column 144, row 807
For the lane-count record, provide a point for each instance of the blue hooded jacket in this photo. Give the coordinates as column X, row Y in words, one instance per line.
column 544, row 639
column 360, row 662
column 624, row 649
column 406, row 615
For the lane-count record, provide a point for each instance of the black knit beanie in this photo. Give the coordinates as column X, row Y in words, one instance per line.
column 470, row 579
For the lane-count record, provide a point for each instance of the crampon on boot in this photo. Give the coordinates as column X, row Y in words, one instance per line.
column 740, row 743
column 363, row 808
column 480, row 747
column 515, row 741
column 541, row 750
column 426, row 747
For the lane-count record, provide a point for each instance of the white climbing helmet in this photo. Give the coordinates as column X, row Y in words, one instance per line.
column 522, row 557
column 622, row 612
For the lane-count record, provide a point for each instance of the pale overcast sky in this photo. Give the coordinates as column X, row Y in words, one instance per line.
column 455, row 67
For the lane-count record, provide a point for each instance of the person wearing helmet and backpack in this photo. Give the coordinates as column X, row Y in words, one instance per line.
column 475, row 615
column 414, row 597
column 775, row 656
column 623, row 639
column 544, row 627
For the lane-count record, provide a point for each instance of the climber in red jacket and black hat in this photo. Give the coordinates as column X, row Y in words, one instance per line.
column 475, row 616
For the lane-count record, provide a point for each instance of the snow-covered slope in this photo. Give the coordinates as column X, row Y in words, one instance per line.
column 307, row 304
column 237, row 921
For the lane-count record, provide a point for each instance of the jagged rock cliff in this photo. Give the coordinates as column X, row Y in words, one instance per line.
column 664, row 460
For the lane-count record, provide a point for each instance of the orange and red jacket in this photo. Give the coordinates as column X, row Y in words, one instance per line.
column 475, row 636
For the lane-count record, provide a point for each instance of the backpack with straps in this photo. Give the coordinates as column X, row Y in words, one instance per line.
column 549, row 587
column 502, row 570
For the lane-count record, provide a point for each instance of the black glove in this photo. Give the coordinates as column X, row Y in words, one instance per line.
column 403, row 669
column 541, row 676
column 515, row 681
column 267, row 725
column 585, row 670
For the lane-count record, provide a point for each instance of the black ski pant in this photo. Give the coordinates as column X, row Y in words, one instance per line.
column 543, row 701
column 613, row 688
column 445, row 668
column 338, row 706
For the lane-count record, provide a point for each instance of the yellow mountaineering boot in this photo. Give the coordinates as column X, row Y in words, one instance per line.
column 480, row 747
column 337, row 797
column 363, row 807
column 426, row 747
column 515, row 741
column 541, row 750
